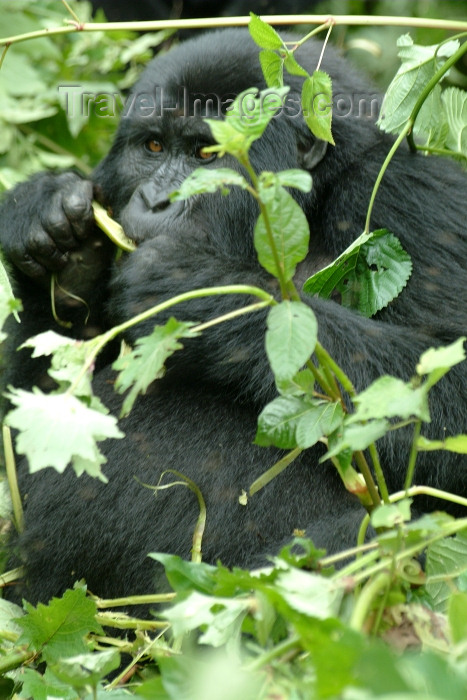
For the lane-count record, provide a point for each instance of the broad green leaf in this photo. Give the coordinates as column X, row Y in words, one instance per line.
column 186, row 575
column 272, row 66
column 290, row 421
column 47, row 343
column 58, row 630
column 221, row 617
column 357, row 437
column 317, row 105
column 309, row 593
column 263, row 34
column 290, row 234
column 419, row 64
column 445, row 560
column 325, row 420
column 204, row 180
column 291, row 336
column 369, row 274
column 86, row 669
column 145, row 362
column 45, row 687
column 388, row 397
column 390, row 515
column 455, row 105
column 277, row 422
column 56, row 429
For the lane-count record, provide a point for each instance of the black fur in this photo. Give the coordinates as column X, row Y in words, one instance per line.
column 201, row 418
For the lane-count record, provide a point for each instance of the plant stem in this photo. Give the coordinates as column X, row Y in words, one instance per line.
column 10, row 466
column 365, row 599
column 379, row 474
column 413, row 456
column 367, row 475
column 147, row 26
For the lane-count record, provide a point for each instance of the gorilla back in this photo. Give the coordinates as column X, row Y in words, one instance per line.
column 200, row 419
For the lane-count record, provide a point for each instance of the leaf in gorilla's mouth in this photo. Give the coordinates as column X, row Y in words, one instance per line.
column 112, row 229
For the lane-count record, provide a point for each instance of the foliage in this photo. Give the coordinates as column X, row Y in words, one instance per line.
column 298, row 628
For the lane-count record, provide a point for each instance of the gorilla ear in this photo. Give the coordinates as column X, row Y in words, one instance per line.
column 310, row 155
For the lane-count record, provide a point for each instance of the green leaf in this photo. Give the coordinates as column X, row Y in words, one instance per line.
column 455, row 105
column 419, row 65
column 457, row 615
column 357, row 437
column 277, row 422
column 272, row 66
column 59, row 629
column 314, row 595
column 44, row 687
column 325, row 420
column 390, row 515
column 57, row 429
column 186, row 575
column 145, row 362
column 203, row 180
column 221, row 617
column 458, row 444
column 86, row 669
column 388, row 397
column 369, row 274
column 294, row 68
column 290, row 235
column 263, row 34
column 317, row 105
column 8, row 303
column 299, row 179
column 436, row 362
column 291, row 335
column 445, row 560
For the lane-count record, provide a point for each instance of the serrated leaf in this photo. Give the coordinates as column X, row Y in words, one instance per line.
column 58, row 630
column 272, row 66
column 56, row 429
column 290, row 233
column 317, row 105
column 291, row 335
column 369, row 274
column 324, row 420
column 203, row 180
column 436, row 362
column 455, row 105
column 263, row 34
column 145, row 363
column 419, row 64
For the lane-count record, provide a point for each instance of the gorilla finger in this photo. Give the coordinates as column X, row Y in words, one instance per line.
column 30, row 267
column 77, row 205
column 43, row 249
column 58, row 231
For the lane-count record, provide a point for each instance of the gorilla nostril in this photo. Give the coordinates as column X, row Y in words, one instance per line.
column 154, row 199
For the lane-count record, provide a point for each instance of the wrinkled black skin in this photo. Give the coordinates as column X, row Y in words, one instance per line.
column 201, row 418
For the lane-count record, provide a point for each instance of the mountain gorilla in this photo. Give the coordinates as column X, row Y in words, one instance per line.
column 200, row 419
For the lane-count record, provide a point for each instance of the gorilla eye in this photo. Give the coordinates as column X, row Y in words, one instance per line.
column 154, row 145
column 203, row 155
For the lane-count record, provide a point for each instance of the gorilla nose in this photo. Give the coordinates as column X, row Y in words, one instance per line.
column 154, row 198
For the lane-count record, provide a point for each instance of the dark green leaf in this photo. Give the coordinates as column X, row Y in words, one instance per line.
column 290, row 235
column 58, row 630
